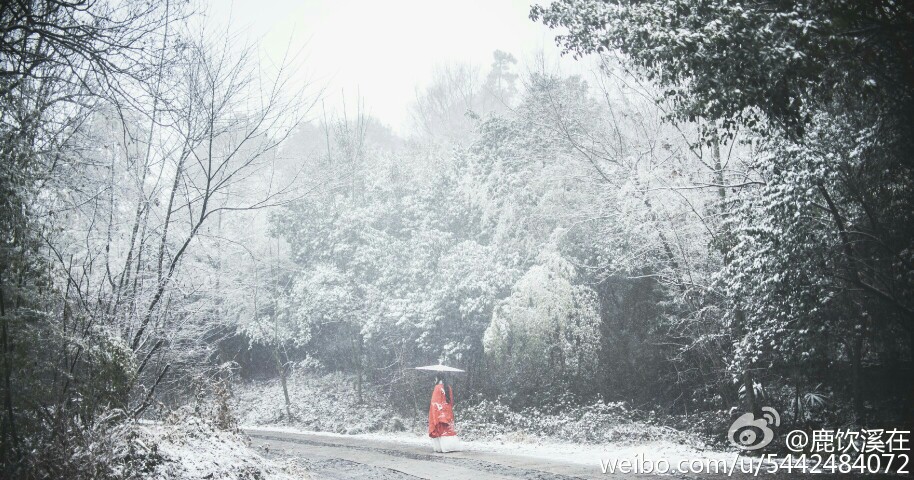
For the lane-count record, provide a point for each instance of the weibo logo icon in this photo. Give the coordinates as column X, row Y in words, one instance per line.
column 750, row 433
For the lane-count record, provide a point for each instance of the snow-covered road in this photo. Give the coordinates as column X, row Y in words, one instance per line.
column 338, row 457
column 406, row 456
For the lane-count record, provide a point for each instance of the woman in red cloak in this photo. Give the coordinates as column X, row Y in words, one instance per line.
column 441, row 417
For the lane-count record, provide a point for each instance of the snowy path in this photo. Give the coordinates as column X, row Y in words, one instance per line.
column 339, row 457
column 391, row 457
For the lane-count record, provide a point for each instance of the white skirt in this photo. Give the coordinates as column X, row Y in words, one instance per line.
column 446, row 444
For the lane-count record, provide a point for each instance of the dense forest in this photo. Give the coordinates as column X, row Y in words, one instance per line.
column 718, row 217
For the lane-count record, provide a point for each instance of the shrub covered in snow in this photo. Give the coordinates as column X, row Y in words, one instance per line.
column 106, row 449
column 184, row 446
column 188, row 447
column 321, row 403
column 597, row 423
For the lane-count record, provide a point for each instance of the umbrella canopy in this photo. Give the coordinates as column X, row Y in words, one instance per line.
column 440, row 368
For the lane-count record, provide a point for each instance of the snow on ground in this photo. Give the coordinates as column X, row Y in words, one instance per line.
column 325, row 403
column 191, row 448
column 583, row 434
column 320, row 403
column 584, row 454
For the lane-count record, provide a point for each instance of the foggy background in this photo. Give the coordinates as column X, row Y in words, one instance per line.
column 628, row 222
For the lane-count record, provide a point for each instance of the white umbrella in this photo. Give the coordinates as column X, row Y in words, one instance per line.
column 440, row 368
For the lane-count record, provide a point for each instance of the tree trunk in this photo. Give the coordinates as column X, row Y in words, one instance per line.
column 283, row 374
column 910, row 419
column 415, row 403
column 856, row 354
column 751, row 403
column 796, row 407
column 8, row 435
column 359, row 366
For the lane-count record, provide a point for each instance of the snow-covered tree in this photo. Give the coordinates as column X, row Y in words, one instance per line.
column 545, row 335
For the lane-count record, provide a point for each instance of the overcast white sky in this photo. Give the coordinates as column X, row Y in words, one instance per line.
column 385, row 49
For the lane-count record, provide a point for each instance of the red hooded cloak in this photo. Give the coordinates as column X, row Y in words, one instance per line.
column 441, row 414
